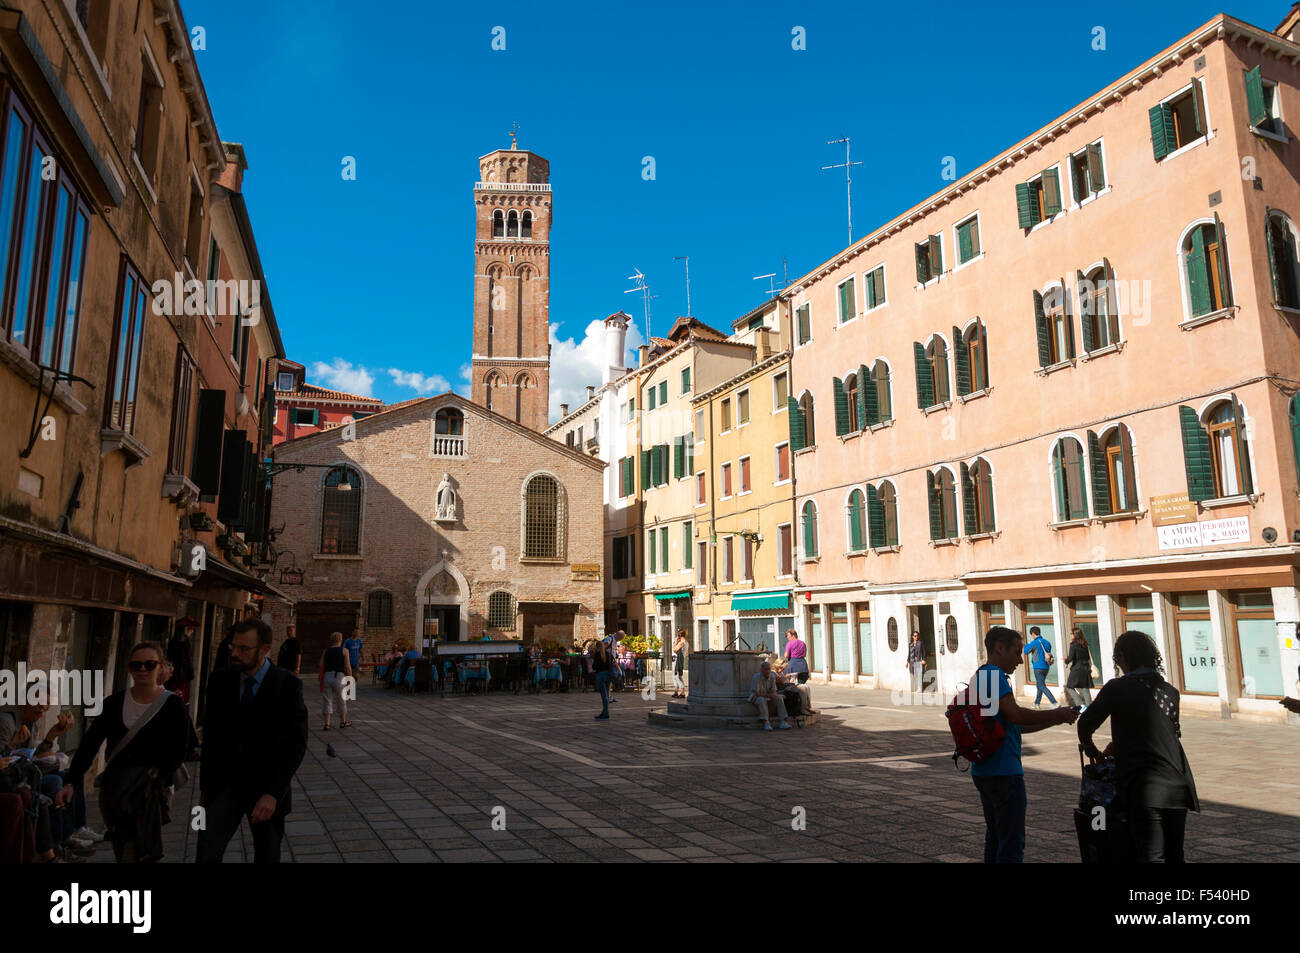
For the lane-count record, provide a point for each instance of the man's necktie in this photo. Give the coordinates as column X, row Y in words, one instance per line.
column 247, row 697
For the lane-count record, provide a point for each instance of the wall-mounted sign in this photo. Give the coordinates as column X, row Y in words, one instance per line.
column 290, row 577
column 1172, row 508
column 1235, row 529
column 585, row 567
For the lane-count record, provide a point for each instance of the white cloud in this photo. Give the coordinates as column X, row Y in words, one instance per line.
column 575, row 364
column 466, row 387
column 342, row 375
column 432, row 384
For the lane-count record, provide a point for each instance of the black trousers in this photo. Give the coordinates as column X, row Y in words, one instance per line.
column 1157, row 834
column 223, row 812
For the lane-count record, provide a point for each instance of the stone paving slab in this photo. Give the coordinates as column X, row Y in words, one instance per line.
column 417, row 778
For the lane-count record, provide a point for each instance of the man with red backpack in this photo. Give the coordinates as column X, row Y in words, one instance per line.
column 995, row 755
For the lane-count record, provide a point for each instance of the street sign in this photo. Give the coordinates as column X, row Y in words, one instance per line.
column 290, row 578
column 1172, row 508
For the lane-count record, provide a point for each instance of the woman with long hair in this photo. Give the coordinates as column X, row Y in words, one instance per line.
column 147, row 734
column 1078, row 683
column 679, row 664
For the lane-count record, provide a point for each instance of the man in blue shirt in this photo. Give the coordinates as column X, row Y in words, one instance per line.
column 353, row 645
column 1040, row 649
column 1000, row 780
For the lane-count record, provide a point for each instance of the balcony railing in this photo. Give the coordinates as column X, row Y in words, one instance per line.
column 446, row 445
column 513, row 186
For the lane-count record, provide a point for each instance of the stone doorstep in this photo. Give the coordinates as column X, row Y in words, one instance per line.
column 718, row 721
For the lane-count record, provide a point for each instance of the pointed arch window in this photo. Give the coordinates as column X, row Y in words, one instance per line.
column 809, row 428
column 1206, row 269
column 882, row 513
column 977, row 497
column 1114, row 478
column 809, row 527
column 941, row 490
column 884, row 403
column 1282, row 261
column 340, row 522
column 1097, row 308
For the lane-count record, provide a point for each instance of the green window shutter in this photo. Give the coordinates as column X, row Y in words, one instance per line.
column 1026, row 207
column 841, row 408
column 870, row 409
column 1078, row 507
column 1044, row 333
column 1272, row 258
column 1198, row 275
column 661, row 470
column 1096, row 171
column 876, row 514
column 1196, row 456
column 690, row 453
column 679, row 456
column 1224, row 276
column 932, row 495
column 795, row 414
column 1198, row 108
column 645, row 470
column 922, row 263
column 855, row 522
column 986, row 486
column 663, row 548
column 1255, row 97
column 1126, row 461
column 1087, row 307
column 1294, row 413
column 924, row 377
column 1243, row 451
column 687, row 554
column 805, row 332
column 936, row 255
column 963, row 243
column 848, row 309
column 650, row 560
column 962, row 357
column 809, row 531
column 686, row 379
column 1051, row 192
column 968, row 501
column 1100, row 477
column 650, row 400
column 864, row 385
column 1162, row 130
column 1289, row 250
column 1058, row 481
column 1068, row 319
column 629, row 477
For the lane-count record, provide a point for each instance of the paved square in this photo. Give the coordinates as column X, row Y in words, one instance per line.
column 417, row 777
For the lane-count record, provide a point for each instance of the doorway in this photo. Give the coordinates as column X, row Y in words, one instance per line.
column 442, row 623
column 315, row 624
column 922, row 618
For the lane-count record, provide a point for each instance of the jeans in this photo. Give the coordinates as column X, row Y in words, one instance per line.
column 1040, row 679
column 1079, row 696
column 918, row 671
column 1003, row 798
column 763, row 704
column 602, row 686
column 1157, row 834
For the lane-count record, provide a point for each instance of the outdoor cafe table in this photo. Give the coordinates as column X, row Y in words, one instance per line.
column 466, row 671
column 552, row 670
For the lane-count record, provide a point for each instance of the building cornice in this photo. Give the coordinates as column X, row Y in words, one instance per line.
column 753, row 370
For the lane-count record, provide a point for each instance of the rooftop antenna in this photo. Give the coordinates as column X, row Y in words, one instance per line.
column 644, row 288
column 771, row 286
column 846, row 165
column 687, row 259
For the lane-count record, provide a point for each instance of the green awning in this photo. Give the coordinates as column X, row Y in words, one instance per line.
column 665, row 596
column 749, row 601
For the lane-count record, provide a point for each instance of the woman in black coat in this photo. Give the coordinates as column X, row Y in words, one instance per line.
column 1078, row 683
column 135, row 784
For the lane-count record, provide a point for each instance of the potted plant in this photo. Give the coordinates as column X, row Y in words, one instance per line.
column 201, row 522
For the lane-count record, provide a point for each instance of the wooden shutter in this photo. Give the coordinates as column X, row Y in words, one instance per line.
column 663, row 549
column 1224, row 277
column 870, row 400
column 268, row 415
column 1051, row 192
column 809, row 531
column 968, row 501
column 878, row 286
column 1100, row 476
column 924, row 377
column 1196, row 456
column 856, row 543
column 1272, row 258
column 690, row 452
column 876, row 512
column 1255, row 97
column 1026, row 207
column 848, row 304
column 935, row 247
column 679, row 456
column 962, row 357
column 688, row 546
column 645, row 470
column 922, row 263
column 1044, row 333
column 208, row 435
column 1198, row 108
column 1112, row 300
column 864, row 385
column 805, row 332
column 1067, row 320
column 795, row 413
column 629, row 475
column 1162, row 130
column 1096, row 172
column 650, row 560
column 1058, row 481
column 932, row 496
column 1243, row 450
column 985, row 479
column 661, row 467
column 1130, row 475
column 841, row 408
column 963, row 243
column 1087, row 309
column 231, row 502
column 1198, row 273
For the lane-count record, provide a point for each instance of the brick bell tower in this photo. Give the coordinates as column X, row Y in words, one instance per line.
column 511, row 364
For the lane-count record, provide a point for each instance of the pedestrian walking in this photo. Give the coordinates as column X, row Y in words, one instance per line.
column 916, row 660
column 1153, row 782
column 353, row 646
column 254, row 738
column 180, row 652
column 1078, row 683
column 335, row 667
column 600, row 664
column 1000, row 779
column 147, row 732
column 679, row 664
column 290, row 656
column 1041, row 650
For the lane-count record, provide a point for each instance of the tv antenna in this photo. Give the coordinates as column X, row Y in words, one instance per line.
column 687, row 259
column 644, row 288
column 847, row 166
column 771, row 289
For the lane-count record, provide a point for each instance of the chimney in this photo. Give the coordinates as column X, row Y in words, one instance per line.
column 643, row 352
column 591, row 392
column 564, row 410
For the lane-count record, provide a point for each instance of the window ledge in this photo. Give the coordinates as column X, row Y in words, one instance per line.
column 848, row 322
column 1285, row 310
column 1114, row 348
column 1229, row 312
column 935, row 408
column 1053, row 368
column 1069, row 524
column 969, row 261
column 948, row 541
column 992, row 534
column 30, row 372
column 1266, row 134
column 1133, row 515
column 852, row 434
column 134, row 451
column 810, row 559
column 1251, row 498
column 180, row 489
column 805, row 449
column 542, row 561
column 975, row 394
column 929, row 281
column 856, row 552
column 880, row 550
column 342, row 557
column 144, row 176
column 882, row 425
column 1202, row 139
column 777, row 483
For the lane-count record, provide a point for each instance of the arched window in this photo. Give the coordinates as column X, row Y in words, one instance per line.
column 1069, row 480
column 492, row 383
column 972, row 358
column 1229, row 455
column 1114, row 476
column 1055, row 326
column 809, row 530
column 977, row 497
column 501, row 611
column 892, row 631
column 941, row 490
column 379, row 610
column 512, row 224
column 449, row 421
column 522, row 383
column 857, row 522
column 950, row 632
column 528, row 224
column 1282, row 260
column 880, row 380
column 1205, row 267
column 809, row 429
column 1097, row 308
column 851, row 397
column 498, row 224
column 882, row 507
column 543, row 530
column 340, row 512
column 937, row 356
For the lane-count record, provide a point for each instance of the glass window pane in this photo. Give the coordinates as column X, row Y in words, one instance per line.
column 137, row 343
column 72, row 304
column 123, row 344
column 1196, row 645
column 9, row 208
column 864, row 646
column 1138, row 603
column 840, row 637
column 1048, row 631
column 54, row 281
column 1261, row 665
column 28, row 257
column 814, row 636
column 1192, row 600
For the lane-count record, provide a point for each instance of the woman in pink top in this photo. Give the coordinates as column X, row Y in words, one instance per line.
column 796, row 653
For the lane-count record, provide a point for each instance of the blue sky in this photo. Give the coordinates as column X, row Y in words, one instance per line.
column 372, row 279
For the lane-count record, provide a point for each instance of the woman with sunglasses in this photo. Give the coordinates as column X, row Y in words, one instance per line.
column 147, row 734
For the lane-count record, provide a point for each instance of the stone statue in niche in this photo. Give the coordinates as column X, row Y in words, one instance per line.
column 445, row 501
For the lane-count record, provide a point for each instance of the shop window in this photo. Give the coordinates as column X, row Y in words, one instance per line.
column 1195, row 637
column 1257, row 644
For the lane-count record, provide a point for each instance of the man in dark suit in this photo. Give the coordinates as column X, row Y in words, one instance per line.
column 254, row 738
